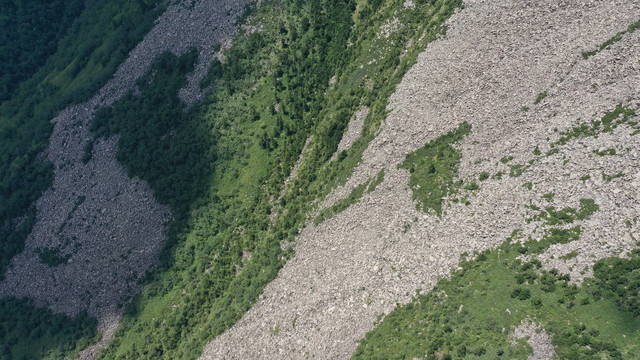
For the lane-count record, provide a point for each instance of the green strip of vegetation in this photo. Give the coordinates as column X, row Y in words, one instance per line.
column 606, row 152
column 472, row 314
column 95, row 43
column 353, row 198
column 540, row 97
column 611, row 120
column 30, row 332
column 607, row 177
column 552, row 217
column 569, row 256
column 52, row 257
column 617, row 37
column 434, row 169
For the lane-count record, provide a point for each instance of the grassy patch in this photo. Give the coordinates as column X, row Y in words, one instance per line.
column 607, row 177
column 569, row 255
column 606, row 152
column 376, row 181
column 353, row 198
column 52, row 257
column 434, row 168
column 552, row 216
column 515, row 170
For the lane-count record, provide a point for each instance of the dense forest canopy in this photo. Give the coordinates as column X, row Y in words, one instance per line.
column 30, row 34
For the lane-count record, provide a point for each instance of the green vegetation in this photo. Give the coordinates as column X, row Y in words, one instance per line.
column 30, row 332
column 551, row 216
column 269, row 95
column 540, row 97
column 30, row 34
column 620, row 279
column 607, row 177
column 606, row 152
column 52, row 257
column 86, row 55
column 617, row 37
column 159, row 141
column 465, row 317
column 506, row 159
column 528, row 185
column 569, row 256
column 515, row 170
column 611, row 120
column 471, row 186
column 377, row 181
column 353, row 197
column 55, row 53
column 434, row 168
column 483, row 176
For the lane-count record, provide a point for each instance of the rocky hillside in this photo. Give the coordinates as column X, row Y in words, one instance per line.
column 523, row 77
column 331, row 179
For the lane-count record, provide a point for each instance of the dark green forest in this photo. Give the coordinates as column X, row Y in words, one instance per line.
column 30, row 34
column 28, row 332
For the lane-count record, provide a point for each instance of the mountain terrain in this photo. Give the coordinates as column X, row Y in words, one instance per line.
column 212, row 179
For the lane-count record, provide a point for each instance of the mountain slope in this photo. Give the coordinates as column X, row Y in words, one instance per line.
column 297, row 179
column 496, row 60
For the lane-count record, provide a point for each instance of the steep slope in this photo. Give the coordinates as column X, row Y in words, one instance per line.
column 490, row 70
column 332, row 178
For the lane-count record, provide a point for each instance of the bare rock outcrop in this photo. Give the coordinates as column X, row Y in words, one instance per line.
column 537, row 338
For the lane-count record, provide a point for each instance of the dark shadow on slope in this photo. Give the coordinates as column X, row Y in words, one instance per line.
column 30, row 332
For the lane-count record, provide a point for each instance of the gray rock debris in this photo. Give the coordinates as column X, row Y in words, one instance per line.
column 109, row 223
column 537, row 338
column 496, row 58
column 354, row 130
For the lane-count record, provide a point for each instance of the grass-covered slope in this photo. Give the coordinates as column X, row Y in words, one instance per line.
column 85, row 57
column 472, row 315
